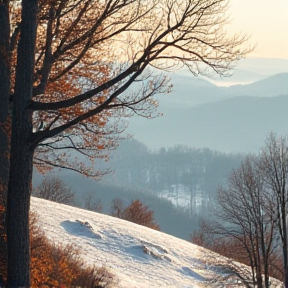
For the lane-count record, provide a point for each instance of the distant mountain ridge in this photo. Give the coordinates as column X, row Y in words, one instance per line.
column 268, row 87
column 249, row 70
column 189, row 91
column 236, row 124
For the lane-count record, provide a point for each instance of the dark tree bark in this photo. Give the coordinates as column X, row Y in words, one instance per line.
column 4, row 97
column 21, row 161
column 284, row 248
column 4, row 122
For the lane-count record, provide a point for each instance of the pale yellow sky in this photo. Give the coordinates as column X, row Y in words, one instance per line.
column 267, row 23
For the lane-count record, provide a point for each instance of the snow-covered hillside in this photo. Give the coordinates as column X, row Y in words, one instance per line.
column 136, row 255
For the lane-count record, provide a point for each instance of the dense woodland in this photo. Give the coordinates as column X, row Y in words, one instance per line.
column 175, row 170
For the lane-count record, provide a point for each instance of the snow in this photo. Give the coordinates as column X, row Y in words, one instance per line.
column 137, row 256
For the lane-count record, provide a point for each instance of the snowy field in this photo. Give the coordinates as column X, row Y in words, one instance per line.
column 139, row 257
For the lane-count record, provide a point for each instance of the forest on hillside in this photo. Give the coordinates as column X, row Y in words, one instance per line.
column 177, row 172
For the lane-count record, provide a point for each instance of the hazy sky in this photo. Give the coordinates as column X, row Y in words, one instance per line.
column 267, row 23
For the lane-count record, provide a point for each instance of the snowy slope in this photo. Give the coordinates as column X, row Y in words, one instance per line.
column 138, row 256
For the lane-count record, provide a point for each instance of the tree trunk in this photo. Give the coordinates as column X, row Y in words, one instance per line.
column 259, row 278
column 4, row 99
column 266, row 270
column 285, row 260
column 21, row 158
column 4, row 128
column 18, row 215
column 284, row 236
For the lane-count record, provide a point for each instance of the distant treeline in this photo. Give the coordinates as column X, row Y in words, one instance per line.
column 199, row 171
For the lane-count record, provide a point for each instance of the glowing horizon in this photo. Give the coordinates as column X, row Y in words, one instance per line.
column 266, row 21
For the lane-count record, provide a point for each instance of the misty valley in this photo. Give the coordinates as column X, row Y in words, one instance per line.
column 184, row 156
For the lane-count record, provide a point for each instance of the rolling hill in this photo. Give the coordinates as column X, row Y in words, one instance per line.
column 138, row 256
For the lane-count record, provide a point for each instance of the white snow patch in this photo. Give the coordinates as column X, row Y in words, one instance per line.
column 139, row 257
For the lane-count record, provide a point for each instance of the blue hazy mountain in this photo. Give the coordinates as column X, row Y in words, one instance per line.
column 198, row 113
column 268, row 87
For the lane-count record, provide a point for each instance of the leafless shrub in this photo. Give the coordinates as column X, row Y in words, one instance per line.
column 54, row 189
column 93, row 204
column 117, row 208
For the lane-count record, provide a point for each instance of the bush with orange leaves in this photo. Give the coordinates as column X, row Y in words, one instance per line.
column 136, row 212
column 55, row 265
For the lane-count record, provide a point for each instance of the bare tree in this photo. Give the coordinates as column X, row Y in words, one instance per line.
column 245, row 217
column 274, row 169
column 92, row 204
column 117, row 208
column 253, row 211
column 123, row 39
column 54, row 189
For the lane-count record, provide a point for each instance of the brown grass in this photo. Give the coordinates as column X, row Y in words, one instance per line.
column 56, row 265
